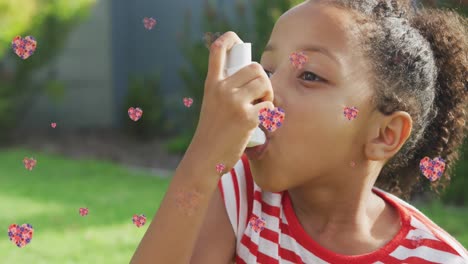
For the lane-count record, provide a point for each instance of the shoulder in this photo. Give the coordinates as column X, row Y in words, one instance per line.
column 236, row 189
column 426, row 236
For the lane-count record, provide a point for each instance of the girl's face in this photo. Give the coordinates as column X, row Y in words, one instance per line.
column 316, row 142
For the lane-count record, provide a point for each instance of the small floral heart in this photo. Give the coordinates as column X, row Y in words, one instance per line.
column 432, row 169
column 298, row 59
column 29, row 163
column 20, row 235
column 139, row 220
column 209, row 38
column 257, row 224
column 135, row 113
column 149, row 22
column 24, row 48
column 350, row 112
column 53, row 125
column 188, row 101
column 416, row 241
column 271, row 119
column 84, row 211
column 220, row 168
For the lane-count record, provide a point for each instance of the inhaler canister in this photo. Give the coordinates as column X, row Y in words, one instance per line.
column 238, row 57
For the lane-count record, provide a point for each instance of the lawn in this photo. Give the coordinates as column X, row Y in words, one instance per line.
column 49, row 198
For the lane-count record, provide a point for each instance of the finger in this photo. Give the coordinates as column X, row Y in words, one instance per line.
column 257, row 90
column 217, row 57
column 245, row 75
column 252, row 83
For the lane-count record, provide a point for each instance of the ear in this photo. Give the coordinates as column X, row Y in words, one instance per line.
column 389, row 136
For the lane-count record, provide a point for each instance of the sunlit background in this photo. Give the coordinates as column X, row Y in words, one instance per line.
column 94, row 60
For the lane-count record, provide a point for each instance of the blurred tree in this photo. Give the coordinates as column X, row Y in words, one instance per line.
column 145, row 93
column 49, row 22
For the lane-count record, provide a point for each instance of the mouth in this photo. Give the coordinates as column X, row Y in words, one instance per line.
column 255, row 153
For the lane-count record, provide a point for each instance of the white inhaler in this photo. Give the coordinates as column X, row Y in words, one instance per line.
column 238, row 57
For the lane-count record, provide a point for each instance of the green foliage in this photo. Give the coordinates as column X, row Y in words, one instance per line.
column 49, row 22
column 178, row 144
column 196, row 53
column 145, row 93
column 456, row 192
column 454, row 4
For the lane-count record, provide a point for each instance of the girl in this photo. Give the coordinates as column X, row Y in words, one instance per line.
column 323, row 188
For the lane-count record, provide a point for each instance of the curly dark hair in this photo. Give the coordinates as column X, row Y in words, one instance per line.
column 419, row 60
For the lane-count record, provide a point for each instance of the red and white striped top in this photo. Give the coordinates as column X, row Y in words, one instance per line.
column 283, row 240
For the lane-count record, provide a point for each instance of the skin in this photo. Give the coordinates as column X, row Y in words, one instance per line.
column 187, row 201
column 310, row 155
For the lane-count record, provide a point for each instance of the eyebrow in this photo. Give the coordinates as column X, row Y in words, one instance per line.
column 315, row 48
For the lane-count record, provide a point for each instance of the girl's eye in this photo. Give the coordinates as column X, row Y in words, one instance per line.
column 312, row 77
column 309, row 75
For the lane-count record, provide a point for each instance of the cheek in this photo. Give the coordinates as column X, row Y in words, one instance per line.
column 316, row 136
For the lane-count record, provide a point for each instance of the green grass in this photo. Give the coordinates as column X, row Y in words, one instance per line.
column 49, row 196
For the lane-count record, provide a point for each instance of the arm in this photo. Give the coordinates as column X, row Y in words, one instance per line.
column 220, row 137
column 216, row 242
column 172, row 234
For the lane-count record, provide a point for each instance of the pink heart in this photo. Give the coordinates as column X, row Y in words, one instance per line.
column 20, row 235
column 188, row 101
column 139, row 220
column 149, row 22
column 53, row 125
column 84, row 211
column 432, row 169
column 209, row 38
column 257, row 224
column 298, row 59
column 220, row 168
column 24, row 48
column 135, row 113
column 416, row 241
column 350, row 112
column 29, row 163
column 271, row 119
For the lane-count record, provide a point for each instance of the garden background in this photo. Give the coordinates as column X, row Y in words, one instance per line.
column 94, row 60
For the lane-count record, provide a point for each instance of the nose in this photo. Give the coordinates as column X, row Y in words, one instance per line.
column 276, row 82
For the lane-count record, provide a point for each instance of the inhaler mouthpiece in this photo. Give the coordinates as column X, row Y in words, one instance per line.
column 238, row 57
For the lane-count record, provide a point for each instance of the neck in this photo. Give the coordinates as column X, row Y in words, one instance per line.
column 336, row 209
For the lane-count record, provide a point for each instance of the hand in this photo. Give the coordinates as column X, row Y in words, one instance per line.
column 229, row 111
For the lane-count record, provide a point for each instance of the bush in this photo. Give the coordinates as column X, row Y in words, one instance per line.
column 178, row 144
column 145, row 93
column 49, row 22
column 456, row 192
